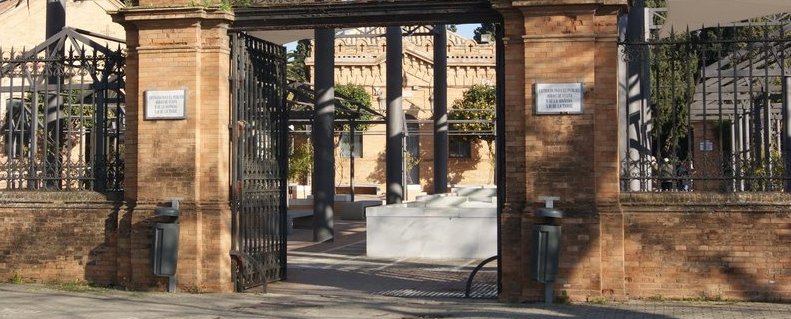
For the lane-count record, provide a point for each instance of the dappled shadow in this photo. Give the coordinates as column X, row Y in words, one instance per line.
column 457, row 167
column 378, row 174
column 725, row 249
column 291, row 302
column 69, row 234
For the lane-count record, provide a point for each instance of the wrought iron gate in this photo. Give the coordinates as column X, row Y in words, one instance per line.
column 259, row 161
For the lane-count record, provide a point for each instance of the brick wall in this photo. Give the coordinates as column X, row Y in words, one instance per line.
column 706, row 245
column 58, row 237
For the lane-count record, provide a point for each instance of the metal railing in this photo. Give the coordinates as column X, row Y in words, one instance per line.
column 62, row 115
column 708, row 110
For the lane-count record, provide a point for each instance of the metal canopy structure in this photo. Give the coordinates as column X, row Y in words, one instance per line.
column 730, row 83
column 280, row 15
column 694, row 14
column 301, row 105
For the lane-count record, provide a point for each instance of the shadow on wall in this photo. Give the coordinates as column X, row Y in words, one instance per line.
column 710, row 253
column 101, row 267
column 457, row 168
column 58, row 237
column 133, row 242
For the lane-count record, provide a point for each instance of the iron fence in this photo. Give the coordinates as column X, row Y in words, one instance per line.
column 62, row 120
column 708, row 110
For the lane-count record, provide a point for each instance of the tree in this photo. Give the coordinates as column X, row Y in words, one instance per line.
column 297, row 70
column 472, row 117
column 300, row 162
column 485, row 28
column 674, row 65
column 351, row 101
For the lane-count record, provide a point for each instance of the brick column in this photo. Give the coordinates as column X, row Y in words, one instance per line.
column 178, row 49
column 574, row 157
column 513, row 253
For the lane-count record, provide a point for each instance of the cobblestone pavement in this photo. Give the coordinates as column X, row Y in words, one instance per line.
column 337, row 280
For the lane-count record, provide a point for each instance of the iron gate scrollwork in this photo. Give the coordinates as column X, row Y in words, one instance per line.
column 62, row 114
column 259, row 161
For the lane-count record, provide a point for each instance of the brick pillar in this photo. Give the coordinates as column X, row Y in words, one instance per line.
column 574, row 157
column 513, row 253
column 178, row 49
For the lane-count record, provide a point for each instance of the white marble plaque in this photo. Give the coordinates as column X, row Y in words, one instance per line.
column 558, row 98
column 166, row 105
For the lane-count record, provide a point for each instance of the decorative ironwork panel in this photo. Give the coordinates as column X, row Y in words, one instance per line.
column 708, row 110
column 259, row 161
column 62, row 115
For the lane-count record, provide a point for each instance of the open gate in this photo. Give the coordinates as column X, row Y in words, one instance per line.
column 259, row 158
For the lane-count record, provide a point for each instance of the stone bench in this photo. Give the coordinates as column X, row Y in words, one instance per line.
column 355, row 210
column 358, row 189
column 296, row 213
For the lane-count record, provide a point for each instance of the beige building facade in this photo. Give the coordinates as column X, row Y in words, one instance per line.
column 24, row 22
column 360, row 59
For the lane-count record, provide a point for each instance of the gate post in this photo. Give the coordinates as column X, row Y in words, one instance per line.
column 571, row 156
column 172, row 50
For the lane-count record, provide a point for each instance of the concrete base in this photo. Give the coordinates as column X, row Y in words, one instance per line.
column 355, row 210
column 439, row 226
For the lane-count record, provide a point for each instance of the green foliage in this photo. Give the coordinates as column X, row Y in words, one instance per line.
column 200, row 4
column 300, row 163
column 597, row 300
column 485, row 28
column 411, row 161
column 674, row 68
column 563, row 298
column 770, row 179
column 15, row 278
column 475, row 111
column 350, row 100
column 226, row 5
column 76, row 118
column 76, row 286
column 296, row 69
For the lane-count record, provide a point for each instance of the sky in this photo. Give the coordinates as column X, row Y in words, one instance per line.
column 465, row 30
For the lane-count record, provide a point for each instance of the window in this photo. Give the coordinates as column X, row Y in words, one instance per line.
column 346, row 147
column 459, row 147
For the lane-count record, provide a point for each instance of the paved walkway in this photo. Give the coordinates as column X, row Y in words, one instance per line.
column 305, row 301
column 336, row 280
